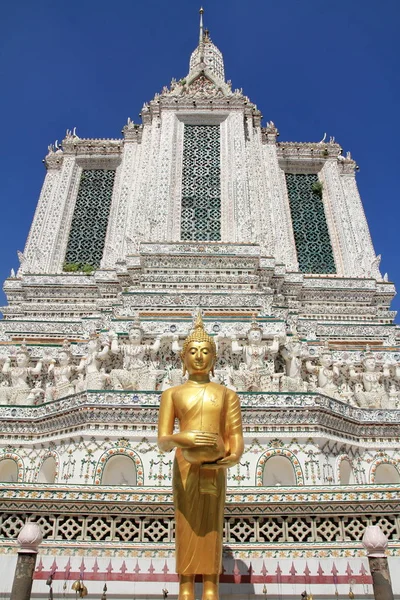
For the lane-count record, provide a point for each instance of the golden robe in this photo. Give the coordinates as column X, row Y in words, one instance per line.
column 199, row 493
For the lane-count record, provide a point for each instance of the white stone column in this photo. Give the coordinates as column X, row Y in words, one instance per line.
column 143, row 191
column 164, row 193
column 36, row 246
column 175, row 204
column 60, row 217
column 339, row 217
column 115, row 242
column 260, row 199
column 236, row 223
column 364, row 261
column 281, row 221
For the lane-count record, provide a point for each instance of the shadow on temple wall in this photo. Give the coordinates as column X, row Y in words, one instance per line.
column 235, row 577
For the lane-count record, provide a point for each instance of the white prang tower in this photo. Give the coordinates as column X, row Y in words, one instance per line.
column 199, row 207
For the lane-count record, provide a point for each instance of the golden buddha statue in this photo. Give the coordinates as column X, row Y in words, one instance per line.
column 209, row 441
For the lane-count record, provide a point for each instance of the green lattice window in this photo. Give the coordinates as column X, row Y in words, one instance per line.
column 313, row 244
column 201, row 188
column 89, row 222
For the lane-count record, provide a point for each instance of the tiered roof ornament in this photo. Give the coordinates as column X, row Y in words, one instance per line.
column 206, row 57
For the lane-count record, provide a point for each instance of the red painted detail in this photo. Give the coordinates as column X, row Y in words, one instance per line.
column 67, row 569
column 237, row 578
column 151, row 568
column 165, row 568
column 264, row 570
column 82, row 568
column 109, row 568
column 124, row 568
column 40, row 566
column 320, row 570
column 95, row 567
column 53, row 567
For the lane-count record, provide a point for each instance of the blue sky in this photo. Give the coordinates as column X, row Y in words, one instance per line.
column 311, row 66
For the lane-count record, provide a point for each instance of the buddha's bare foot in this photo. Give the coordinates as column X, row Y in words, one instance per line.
column 186, row 587
column 210, row 587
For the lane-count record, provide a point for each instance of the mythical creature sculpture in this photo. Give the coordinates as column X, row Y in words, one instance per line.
column 257, row 371
column 92, row 364
column 373, row 393
column 327, row 373
column 209, row 441
column 136, row 373
column 293, row 353
column 18, row 390
column 63, row 374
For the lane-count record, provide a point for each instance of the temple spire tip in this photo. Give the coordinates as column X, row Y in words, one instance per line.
column 201, row 12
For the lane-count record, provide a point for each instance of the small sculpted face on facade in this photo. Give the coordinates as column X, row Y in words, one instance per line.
column 369, row 364
column 92, row 345
column 63, row 358
column 326, row 359
column 135, row 335
column 199, row 358
column 21, row 359
column 255, row 336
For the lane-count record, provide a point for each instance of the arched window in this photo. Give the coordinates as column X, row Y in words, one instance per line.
column 47, row 473
column 8, row 471
column 119, row 470
column 346, row 474
column 279, row 470
column 386, row 473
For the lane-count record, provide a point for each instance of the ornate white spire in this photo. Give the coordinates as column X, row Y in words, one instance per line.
column 206, row 57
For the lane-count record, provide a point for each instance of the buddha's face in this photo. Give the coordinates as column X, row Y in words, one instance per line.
column 199, row 358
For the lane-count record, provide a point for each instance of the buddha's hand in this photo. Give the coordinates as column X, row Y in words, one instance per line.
column 191, row 439
column 226, row 462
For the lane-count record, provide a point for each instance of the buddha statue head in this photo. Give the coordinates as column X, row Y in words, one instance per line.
column 199, row 352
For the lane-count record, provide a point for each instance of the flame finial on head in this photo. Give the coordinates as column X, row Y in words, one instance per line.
column 198, row 334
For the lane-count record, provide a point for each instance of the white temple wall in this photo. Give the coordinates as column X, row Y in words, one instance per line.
column 266, row 463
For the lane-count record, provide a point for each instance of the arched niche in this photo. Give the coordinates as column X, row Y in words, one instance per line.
column 279, row 471
column 386, row 473
column 346, row 473
column 8, row 471
column 119, row 470
column 48, row 471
